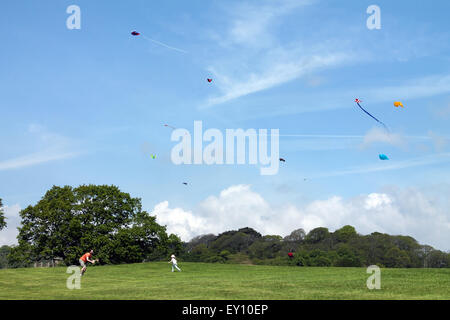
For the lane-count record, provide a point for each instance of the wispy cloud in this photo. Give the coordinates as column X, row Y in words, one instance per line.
column 250, row 24
column 324, row 142
column 417, row 88
column 415, row 162
column 275, row 73
column 257, row 56
column 257, row 59
column 34, row 159
column 53, row 147
column 421, row 87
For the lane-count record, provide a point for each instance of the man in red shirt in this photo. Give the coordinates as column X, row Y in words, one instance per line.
column 85, row 259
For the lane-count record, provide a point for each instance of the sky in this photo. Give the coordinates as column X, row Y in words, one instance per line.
column 88, row 106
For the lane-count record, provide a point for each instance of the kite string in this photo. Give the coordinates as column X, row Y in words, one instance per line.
column 163, row 44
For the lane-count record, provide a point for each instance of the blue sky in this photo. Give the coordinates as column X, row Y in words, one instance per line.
column 88, row 106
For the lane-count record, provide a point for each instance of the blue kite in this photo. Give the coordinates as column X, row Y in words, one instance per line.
column 383, row 157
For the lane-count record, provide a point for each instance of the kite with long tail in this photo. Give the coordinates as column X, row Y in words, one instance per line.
column 358, row 101
column 135, row 33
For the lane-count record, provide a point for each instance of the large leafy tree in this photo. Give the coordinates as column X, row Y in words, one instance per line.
column 2, row 216
column 68, row 221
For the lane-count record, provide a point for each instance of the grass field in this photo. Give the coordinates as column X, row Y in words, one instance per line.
column 223, row 281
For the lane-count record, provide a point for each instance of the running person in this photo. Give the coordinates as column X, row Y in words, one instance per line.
column 85, row 259
column 174, row 263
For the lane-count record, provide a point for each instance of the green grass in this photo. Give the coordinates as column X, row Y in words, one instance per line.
column 223, row 281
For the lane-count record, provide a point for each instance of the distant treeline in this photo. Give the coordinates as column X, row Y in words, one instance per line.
column 320, row 247
column 68, row 222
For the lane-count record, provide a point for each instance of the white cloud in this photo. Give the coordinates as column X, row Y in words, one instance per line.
column 407, row 212
column 9, row 234
column 180, row 222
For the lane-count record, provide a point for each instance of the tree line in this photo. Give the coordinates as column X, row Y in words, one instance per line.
column 320, row 247
column 69, row 221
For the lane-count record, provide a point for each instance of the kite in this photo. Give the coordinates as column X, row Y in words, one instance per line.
column 153, row 156
column 358, row 101
column 135, row 33
column 209, row 80
column 282, row 160
column 185, row 183
column 398, row 104
column 383, row 157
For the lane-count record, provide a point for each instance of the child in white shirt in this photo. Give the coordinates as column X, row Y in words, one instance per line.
column 174, row 263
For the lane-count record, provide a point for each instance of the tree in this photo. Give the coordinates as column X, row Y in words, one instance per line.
column 438, row 259
column 318, row 234
column 318, row 258
column 272, row 237
column 4, row 252
column 201, row 253
column 296, row 236
column 346, row 257
column 251, row 232
column 20, row 256
column 267, row 247
column 396, row 258
column 301, row 258
column 68, row 221
column 423, row 253
column 2, row 216
column 234, row 241
column 205, row 239
column 345, row 233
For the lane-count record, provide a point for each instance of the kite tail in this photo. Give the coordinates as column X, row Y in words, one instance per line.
column 373, row 117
